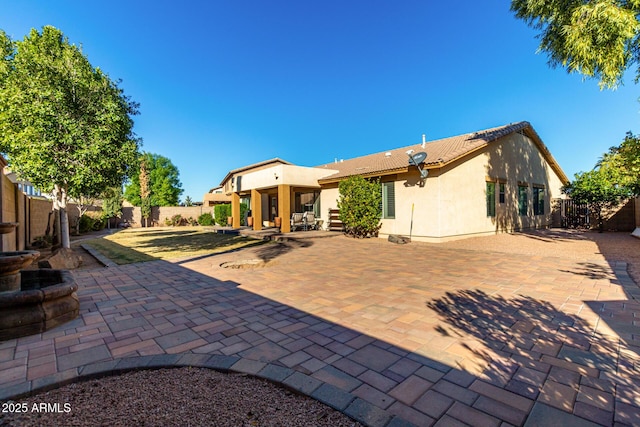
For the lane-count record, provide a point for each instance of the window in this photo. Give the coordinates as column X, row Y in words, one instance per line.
column 538, row 200
column 491, row 199
column 502, row 191
column 523, row 199
column 307, row 202
column 388, row 200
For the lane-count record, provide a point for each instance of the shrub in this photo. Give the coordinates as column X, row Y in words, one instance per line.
column 42, row 242
column 177, row 220
column 192, row 222
column 91, row 222
column 206, row 219
column 86, row 223
column 359, row 204
column 99, row 224
column 221, row 212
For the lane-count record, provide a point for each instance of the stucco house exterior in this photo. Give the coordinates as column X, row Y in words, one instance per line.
column 494, row 180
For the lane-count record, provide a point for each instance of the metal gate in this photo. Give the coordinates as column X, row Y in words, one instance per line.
column 573, row 214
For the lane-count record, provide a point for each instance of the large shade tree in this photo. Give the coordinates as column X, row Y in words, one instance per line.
column 596, row 38
column 64, row 124
column 164, row 186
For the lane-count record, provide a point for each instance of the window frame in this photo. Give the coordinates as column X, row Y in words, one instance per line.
column 490, row 195
column 388, row 200
column 538, row 199
column 523, row 199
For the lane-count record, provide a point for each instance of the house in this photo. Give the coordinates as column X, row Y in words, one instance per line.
column 498, row 179
column 215, row 196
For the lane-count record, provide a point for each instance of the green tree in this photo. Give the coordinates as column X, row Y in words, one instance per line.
column 359, row 204
column 596, row 38
column 145, row 192
column 628, row 160
column 64, row 124
column 600, row 188
column 188, row 201
column 164, row 182
column 112, row 204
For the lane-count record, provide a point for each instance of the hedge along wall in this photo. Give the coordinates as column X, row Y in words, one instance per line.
column 133, row 215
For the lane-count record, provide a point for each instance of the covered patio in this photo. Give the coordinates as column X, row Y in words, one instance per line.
column 273, row 193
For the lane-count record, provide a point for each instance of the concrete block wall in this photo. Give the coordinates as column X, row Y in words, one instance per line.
column 623, row 218
column 159, row 214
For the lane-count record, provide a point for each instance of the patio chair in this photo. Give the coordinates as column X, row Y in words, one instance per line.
column 296, row 221
column 309, row 221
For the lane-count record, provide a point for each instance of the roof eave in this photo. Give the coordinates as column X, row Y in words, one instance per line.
column 330, row 180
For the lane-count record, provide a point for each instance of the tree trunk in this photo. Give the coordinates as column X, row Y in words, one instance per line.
column 60, row 201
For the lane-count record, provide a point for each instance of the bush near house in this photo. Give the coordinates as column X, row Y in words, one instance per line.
column 206, row 219
column 221, row 212
column 359, row 205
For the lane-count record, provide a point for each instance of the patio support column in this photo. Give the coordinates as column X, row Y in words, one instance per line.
column 256, row 209
column 235, row 209
column 284, row 207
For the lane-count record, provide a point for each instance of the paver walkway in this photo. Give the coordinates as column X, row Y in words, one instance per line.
column 391, row 335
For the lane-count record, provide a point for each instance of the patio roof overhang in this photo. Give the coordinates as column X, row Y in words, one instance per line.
column 291, row 175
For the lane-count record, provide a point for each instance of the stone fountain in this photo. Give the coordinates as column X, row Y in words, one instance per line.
column 32, row 301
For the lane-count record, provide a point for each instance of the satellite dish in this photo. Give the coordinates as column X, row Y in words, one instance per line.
column 417, row 158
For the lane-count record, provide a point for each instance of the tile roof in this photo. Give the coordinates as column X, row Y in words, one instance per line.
column 439, row 153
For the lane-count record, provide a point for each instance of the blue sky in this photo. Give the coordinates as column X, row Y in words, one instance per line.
column 223, row 84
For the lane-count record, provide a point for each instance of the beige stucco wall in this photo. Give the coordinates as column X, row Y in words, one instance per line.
column 452, row 202
column 281, row 175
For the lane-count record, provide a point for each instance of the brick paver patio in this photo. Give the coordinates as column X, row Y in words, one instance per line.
column 391, row 335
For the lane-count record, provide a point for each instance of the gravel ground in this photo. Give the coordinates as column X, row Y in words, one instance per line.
column 194, row 397
column 177, row 397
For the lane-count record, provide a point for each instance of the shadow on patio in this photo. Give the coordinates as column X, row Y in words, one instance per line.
column 536, row 364
column 559, row 360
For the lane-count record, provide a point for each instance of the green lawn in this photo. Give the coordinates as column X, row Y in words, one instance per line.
column 148, row 244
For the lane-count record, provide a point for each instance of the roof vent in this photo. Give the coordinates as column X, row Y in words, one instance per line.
column 424, row 140
column 387, row 154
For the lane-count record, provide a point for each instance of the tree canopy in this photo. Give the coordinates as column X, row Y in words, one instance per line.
column 596, row 38
column 164, row 186
column 64, row 124
column 602, row 188
column 629, row 162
